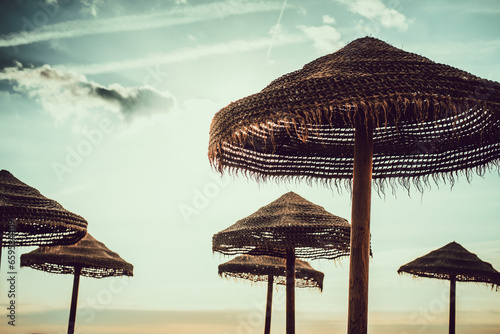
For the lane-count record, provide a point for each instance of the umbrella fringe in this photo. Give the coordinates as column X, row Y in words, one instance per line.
column 289, row 221
column 278, row 280
column 92, row 256
column 421, row 183
column 453, row 260
column 493, row 286
column 257, row 268
column 33, row 219
column 307, row 127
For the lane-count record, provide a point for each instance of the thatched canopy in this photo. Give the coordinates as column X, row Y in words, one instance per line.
column 453, row 260
column 258, row 268
column 37, row 220
column 92, row 256
column 428, row 119
column 289, row 221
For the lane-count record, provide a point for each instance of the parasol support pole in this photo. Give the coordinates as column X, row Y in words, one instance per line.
column 360, row 229
column 1, row 244
column 453, row 286
column 74, row 299
column 269, row 304
column 290, row 290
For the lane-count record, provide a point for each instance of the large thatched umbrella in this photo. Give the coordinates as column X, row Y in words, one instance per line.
column 273, row 270
column 455, row 263
column 27, row 218
column 290, row 227
column 88, row 257
column 367, row 110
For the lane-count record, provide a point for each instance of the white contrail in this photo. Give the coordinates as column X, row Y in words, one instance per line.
column 277, row 27
column 183, row 55
column 176, row 16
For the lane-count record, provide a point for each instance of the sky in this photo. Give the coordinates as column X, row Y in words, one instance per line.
column 105, row 107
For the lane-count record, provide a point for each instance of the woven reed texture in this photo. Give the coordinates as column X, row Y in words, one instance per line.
column 453, row 260
column 94, row 258
column 258, row 268
column 430, row 121
column 37, row 220
column 289, row 221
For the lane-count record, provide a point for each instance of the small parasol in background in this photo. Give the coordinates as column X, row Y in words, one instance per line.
column 290, row 227
column 27, row 218
column 455, row 263
column 367, row 112
column 273, row 270
column 88, row 257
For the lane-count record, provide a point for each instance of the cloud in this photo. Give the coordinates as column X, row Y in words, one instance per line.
column 377, row 11
column 327, row 19
column 91, row 6
column 67, row 95
column 175, row 16
column 187, row 54
column 326, row 38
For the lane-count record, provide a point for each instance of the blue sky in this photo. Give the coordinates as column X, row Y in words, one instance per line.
column 105, row 106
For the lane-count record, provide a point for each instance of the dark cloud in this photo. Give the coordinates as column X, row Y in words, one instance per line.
column 140, row 101
column 70, row 95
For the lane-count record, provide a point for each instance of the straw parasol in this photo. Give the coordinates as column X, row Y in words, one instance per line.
column 369, row 111
column 290, row 227
column 27, row 218
column 455, row 263
column 88, row 257
column 273, row 270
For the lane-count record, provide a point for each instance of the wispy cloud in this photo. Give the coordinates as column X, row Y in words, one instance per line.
column 187, row 54
column 326, row 38
column 377, row 11
column 91, row 6
column 327, row 19
column 68, row 95
column 175, row 16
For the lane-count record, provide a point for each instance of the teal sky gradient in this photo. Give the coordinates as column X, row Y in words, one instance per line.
column 155, row 73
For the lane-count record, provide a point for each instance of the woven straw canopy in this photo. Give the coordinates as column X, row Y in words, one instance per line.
column 92, row 256
column 258, row 268
column 450, row 261
column 289, row 221
column 37, row 219
column 427, row 119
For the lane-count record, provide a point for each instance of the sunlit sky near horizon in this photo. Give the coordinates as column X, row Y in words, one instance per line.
column 105, row 107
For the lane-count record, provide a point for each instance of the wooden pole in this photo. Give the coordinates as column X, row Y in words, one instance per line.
column 290, row 291
column 1, row 245
column 360, row 229
column 74, row 300
column 269, row 304
column 453, row 285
